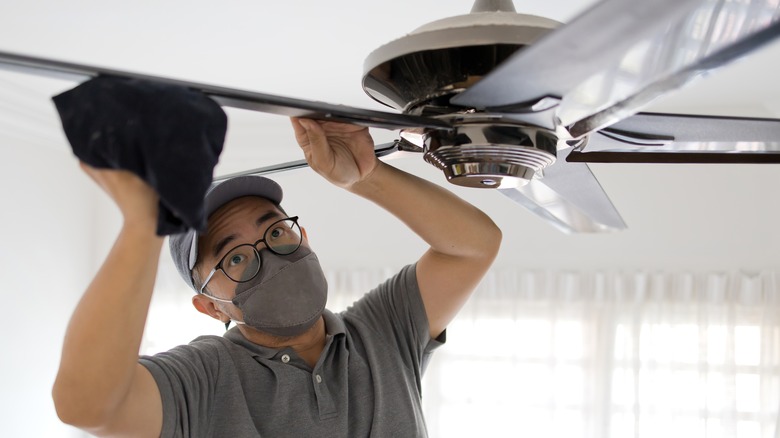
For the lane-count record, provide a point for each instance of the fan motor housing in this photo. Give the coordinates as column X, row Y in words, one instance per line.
column 445, row 57
column 490, row 155
column 419, row 74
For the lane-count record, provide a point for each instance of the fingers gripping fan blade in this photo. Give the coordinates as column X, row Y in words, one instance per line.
column 570, row 198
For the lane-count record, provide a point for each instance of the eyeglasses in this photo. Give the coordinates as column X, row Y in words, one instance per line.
column 243, row 262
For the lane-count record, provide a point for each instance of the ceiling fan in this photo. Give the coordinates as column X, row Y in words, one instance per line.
column 521, row 104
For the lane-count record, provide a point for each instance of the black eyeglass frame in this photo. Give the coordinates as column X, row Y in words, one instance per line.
column 219, row 267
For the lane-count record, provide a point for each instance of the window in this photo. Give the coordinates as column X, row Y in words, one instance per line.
column 569, row 355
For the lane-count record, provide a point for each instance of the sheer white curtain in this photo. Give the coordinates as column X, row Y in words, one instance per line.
column 611, row 355
column 567, row 354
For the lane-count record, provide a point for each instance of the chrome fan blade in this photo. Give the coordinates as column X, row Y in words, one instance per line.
column 561, row 60
column 570, row 198
column 611, row 61
column 730, row 44
column 248, row 100
column 381, row 150
column 671, row 138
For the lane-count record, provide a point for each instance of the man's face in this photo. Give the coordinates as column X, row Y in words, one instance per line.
column 243, row 220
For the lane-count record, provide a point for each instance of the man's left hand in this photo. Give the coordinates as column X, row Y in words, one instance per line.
column 342, row 153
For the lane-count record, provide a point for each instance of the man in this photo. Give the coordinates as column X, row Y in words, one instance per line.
column 289, row 368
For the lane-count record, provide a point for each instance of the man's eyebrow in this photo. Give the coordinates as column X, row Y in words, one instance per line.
column 268, row 216
column 220, row 245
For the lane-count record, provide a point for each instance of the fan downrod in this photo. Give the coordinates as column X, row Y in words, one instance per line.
column 493, row 6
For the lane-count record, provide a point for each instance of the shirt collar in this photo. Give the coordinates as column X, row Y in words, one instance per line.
column 333, row 326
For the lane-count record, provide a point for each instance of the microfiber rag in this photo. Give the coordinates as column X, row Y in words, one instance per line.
column 170, row 136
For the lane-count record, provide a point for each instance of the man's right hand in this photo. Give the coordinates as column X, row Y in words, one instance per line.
column 137, row 201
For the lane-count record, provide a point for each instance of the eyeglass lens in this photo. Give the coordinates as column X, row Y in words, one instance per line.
column 242, row 263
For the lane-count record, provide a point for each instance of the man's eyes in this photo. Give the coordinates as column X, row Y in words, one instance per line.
column 236, row 259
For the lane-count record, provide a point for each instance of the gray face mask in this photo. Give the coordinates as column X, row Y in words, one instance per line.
column 286, row 297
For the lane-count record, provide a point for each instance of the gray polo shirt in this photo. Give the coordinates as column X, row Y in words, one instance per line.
column 366, row 383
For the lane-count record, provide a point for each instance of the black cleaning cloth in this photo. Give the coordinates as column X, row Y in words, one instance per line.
column 170, row 136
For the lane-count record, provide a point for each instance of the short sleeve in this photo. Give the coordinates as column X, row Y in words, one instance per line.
column 394, row 310
column 187, row 377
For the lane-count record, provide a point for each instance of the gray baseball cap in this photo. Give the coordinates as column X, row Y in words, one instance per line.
column 184, row 246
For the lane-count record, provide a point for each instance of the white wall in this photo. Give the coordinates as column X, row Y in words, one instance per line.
column 46, row 260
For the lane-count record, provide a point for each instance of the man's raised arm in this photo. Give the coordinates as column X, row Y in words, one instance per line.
column 463, row 240
column 100, row 387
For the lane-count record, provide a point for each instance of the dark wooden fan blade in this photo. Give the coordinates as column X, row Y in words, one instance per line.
column 248, row 100
column 570, row 198
column 673, row 138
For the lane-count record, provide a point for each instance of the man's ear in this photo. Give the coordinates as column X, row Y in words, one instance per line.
column 303, row 233
column 206, row 307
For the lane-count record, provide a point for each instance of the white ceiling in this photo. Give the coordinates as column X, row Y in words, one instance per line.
column 679, row 216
